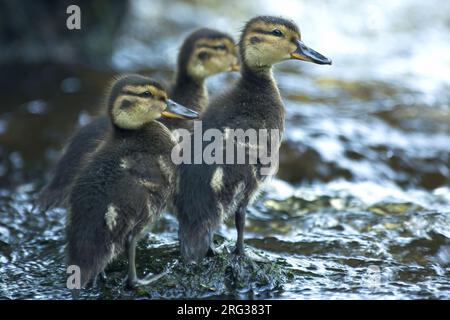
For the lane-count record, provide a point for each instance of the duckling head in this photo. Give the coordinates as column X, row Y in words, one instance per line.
column 135, row 100
column 266, row 40
column 207, row 52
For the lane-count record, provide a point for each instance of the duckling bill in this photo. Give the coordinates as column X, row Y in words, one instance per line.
column 253, row 102
column 125, row 182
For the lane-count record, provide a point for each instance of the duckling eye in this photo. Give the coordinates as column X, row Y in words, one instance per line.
column 277, row 32
column 147, row 94
column 221, row 47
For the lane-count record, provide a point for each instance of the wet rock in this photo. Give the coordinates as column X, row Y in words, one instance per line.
column 223, row 275
column 296, row 206
column 394, row 208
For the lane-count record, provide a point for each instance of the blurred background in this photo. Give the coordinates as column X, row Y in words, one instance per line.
column 364, row 169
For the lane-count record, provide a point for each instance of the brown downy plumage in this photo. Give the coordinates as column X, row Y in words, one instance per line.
column 204, row 53
column 209, row 193
column 125, row 183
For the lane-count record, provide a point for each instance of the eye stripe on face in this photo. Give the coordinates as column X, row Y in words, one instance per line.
column 264, row 27
column 274, row 32
column 214, row 47
column 262, row 31
column 218, row 44
column 143, row 91
column 134, row 94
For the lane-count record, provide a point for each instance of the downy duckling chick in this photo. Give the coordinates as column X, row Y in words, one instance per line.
column 204, row 53
column 126, row 181
column 209, row 193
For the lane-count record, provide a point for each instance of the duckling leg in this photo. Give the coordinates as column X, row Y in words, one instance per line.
column 240, row 226
column 133, row 281
column 101, row 277
column 211, row 251
column 131, row 251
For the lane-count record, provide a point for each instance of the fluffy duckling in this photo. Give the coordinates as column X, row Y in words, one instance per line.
column 126, row 181
column 204, row 53
column 209, row 193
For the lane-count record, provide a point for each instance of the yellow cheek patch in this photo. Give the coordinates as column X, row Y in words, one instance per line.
column 137, row 114
column 289, row 34
column 159, row 94
column 216, row 59
column 230, row 46
column 260, row 35
column 125, row 119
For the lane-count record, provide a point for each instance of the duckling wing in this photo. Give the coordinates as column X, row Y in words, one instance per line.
column 83, row 142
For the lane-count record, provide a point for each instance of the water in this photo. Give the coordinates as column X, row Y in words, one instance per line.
column 360, row 208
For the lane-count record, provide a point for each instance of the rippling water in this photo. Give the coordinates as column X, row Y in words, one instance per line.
column 361, row 204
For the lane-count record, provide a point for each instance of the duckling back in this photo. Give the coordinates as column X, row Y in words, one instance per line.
column 221, row 190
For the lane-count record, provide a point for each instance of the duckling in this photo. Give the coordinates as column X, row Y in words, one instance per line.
column 126, row 181
column 209, row 193
column 204, row 53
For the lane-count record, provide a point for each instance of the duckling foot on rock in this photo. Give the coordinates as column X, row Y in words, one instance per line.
column 133, row 281
column 212, row 251
column 101, row 277
column 136, row 282
column 238, row 251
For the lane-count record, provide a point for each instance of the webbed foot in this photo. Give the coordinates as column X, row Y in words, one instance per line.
column 148, row 279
